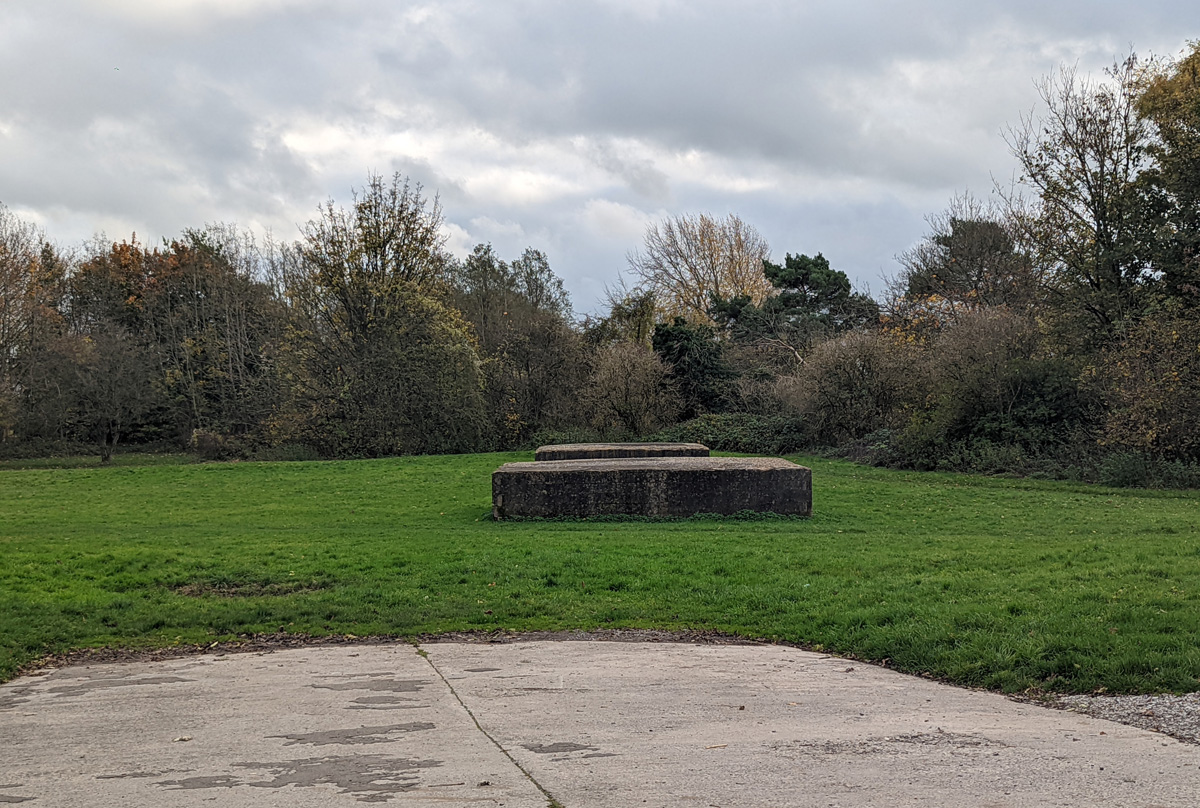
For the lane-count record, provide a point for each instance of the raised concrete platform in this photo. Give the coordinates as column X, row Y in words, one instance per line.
column 663, row 486
column 601, row 451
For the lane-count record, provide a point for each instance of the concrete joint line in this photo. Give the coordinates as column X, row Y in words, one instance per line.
column 551, row 802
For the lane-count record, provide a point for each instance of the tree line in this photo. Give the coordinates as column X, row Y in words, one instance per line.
column 1051, row 329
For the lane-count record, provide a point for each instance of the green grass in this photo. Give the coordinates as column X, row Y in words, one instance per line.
column 93, row 461
column 1004, row 584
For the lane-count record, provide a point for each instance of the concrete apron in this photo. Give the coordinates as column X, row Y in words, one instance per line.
column 580, row 723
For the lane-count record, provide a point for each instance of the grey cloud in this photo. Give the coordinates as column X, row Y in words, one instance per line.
column 639, row 174
column 742, row 83
column 190, row 125
column 419, row 170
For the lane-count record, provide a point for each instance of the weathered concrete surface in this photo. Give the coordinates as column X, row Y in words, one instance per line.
column 665, row 486
column 611, row 725
column 594, row 724
column 313, row 727
column 601, row 451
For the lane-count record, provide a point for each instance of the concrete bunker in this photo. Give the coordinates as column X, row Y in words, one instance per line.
column 651, row 486
column 603, row 451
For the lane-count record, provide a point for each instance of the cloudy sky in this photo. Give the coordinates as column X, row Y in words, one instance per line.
column 565, row 125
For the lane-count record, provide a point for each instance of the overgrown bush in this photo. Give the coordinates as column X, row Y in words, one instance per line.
column 215, row 446
column 630, row 392
column 1126, row 470
column 851, row 386
column 1150, row 383
column 1138, row 470
column 741, row 432
column 994, row 402
column 550, row 437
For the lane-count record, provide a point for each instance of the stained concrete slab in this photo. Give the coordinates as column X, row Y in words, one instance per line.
column 651, row 486
column 668, row 725
column 586, row 723
column 309, row 727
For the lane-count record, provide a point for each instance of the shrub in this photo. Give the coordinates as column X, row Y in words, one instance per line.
column 630, row 391
column 1125, row 470
column 851, row 386
column 874, row 449
column 550, row 437
column 287, row 452
column 29, row 448
column 741, row 432
column 995, row 404
column 215, row 446
column 1177, row 474
column 1139, row 470
column 1150, row 383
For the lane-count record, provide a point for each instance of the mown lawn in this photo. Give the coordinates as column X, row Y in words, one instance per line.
column 1004, row 584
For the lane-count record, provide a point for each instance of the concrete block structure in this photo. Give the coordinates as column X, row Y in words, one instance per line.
column 651, row 486
column 600, row 451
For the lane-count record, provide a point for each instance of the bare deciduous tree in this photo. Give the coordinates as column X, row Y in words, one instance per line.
column 1081, row 157
column 113, row 384
column 687, row 260
column 31, row 289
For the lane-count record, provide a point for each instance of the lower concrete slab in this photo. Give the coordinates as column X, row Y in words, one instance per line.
column 612, row 725
column 313, row 727
column 587, row 724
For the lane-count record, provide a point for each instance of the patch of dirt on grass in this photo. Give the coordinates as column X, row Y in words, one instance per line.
column 251, row 643
column 235, row 589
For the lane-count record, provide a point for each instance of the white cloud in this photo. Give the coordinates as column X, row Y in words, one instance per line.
column 616, row 222
column 486, row 229
column 191, row 12
column 458, row 241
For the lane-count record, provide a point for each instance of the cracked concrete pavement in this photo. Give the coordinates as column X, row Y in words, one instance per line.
column 571, row 723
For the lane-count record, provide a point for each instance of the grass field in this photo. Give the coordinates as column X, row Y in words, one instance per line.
column 1005, row 584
